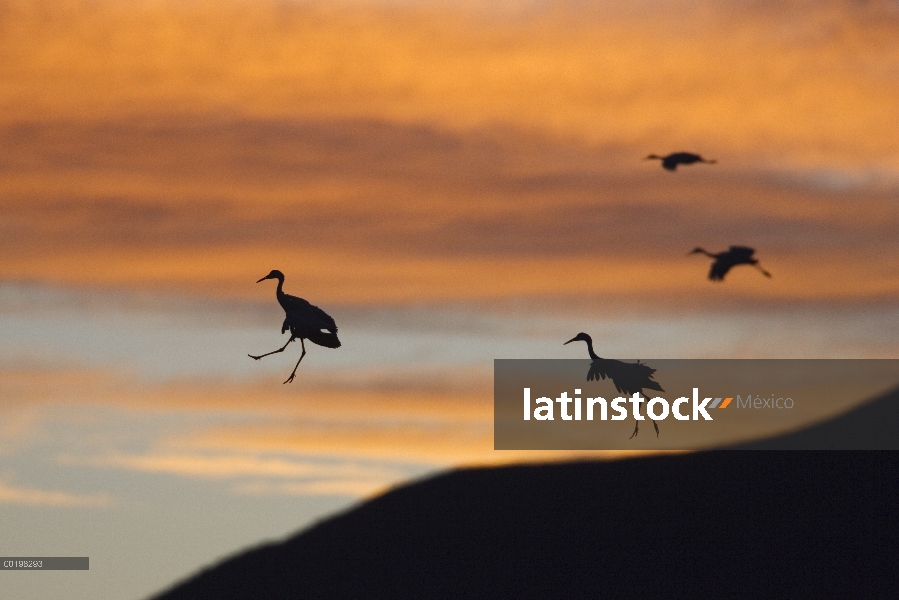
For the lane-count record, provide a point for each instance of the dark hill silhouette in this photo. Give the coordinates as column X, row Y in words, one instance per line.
column 719, row 524
column 873, row 425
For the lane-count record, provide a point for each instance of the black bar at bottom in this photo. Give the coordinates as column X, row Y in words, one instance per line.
column 44, row 563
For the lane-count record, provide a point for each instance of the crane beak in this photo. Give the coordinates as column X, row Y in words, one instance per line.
column 571, row 340
column 263, row 279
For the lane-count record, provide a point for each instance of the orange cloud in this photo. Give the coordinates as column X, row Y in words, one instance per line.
column 418, row 153
column 734, row 77
column 436, row 220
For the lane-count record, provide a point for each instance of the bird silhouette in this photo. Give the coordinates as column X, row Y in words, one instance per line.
column 629, row 378
column 737, row 255
column 304, row 321
column 671, row 161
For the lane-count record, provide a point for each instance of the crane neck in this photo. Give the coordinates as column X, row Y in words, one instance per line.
column 593, row 354
column 280, row 291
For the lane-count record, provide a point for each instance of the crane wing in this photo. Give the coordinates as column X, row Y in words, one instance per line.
column 597, row 370
column 628, row 378
column 643, row 374
column 308, row 316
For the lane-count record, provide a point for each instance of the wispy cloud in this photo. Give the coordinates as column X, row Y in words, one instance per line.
column 27, row 383
column 356, row 488
column 13, row 494
column 390, row 393
column 225, row 466
column 434, row 446
column 253, row 473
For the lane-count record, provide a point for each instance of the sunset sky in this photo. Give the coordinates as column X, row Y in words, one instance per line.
column 453, row 182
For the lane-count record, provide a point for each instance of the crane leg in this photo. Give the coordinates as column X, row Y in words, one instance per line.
column 281, row 349
column 292, row 375
column 656, row 425
column 636, row 429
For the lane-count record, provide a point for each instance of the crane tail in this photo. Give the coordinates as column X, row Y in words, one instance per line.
column 322, row 338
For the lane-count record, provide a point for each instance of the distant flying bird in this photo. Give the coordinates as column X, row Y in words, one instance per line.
column 304, row 321
column 629, row 378
column 737, row 255
column 671, row 161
